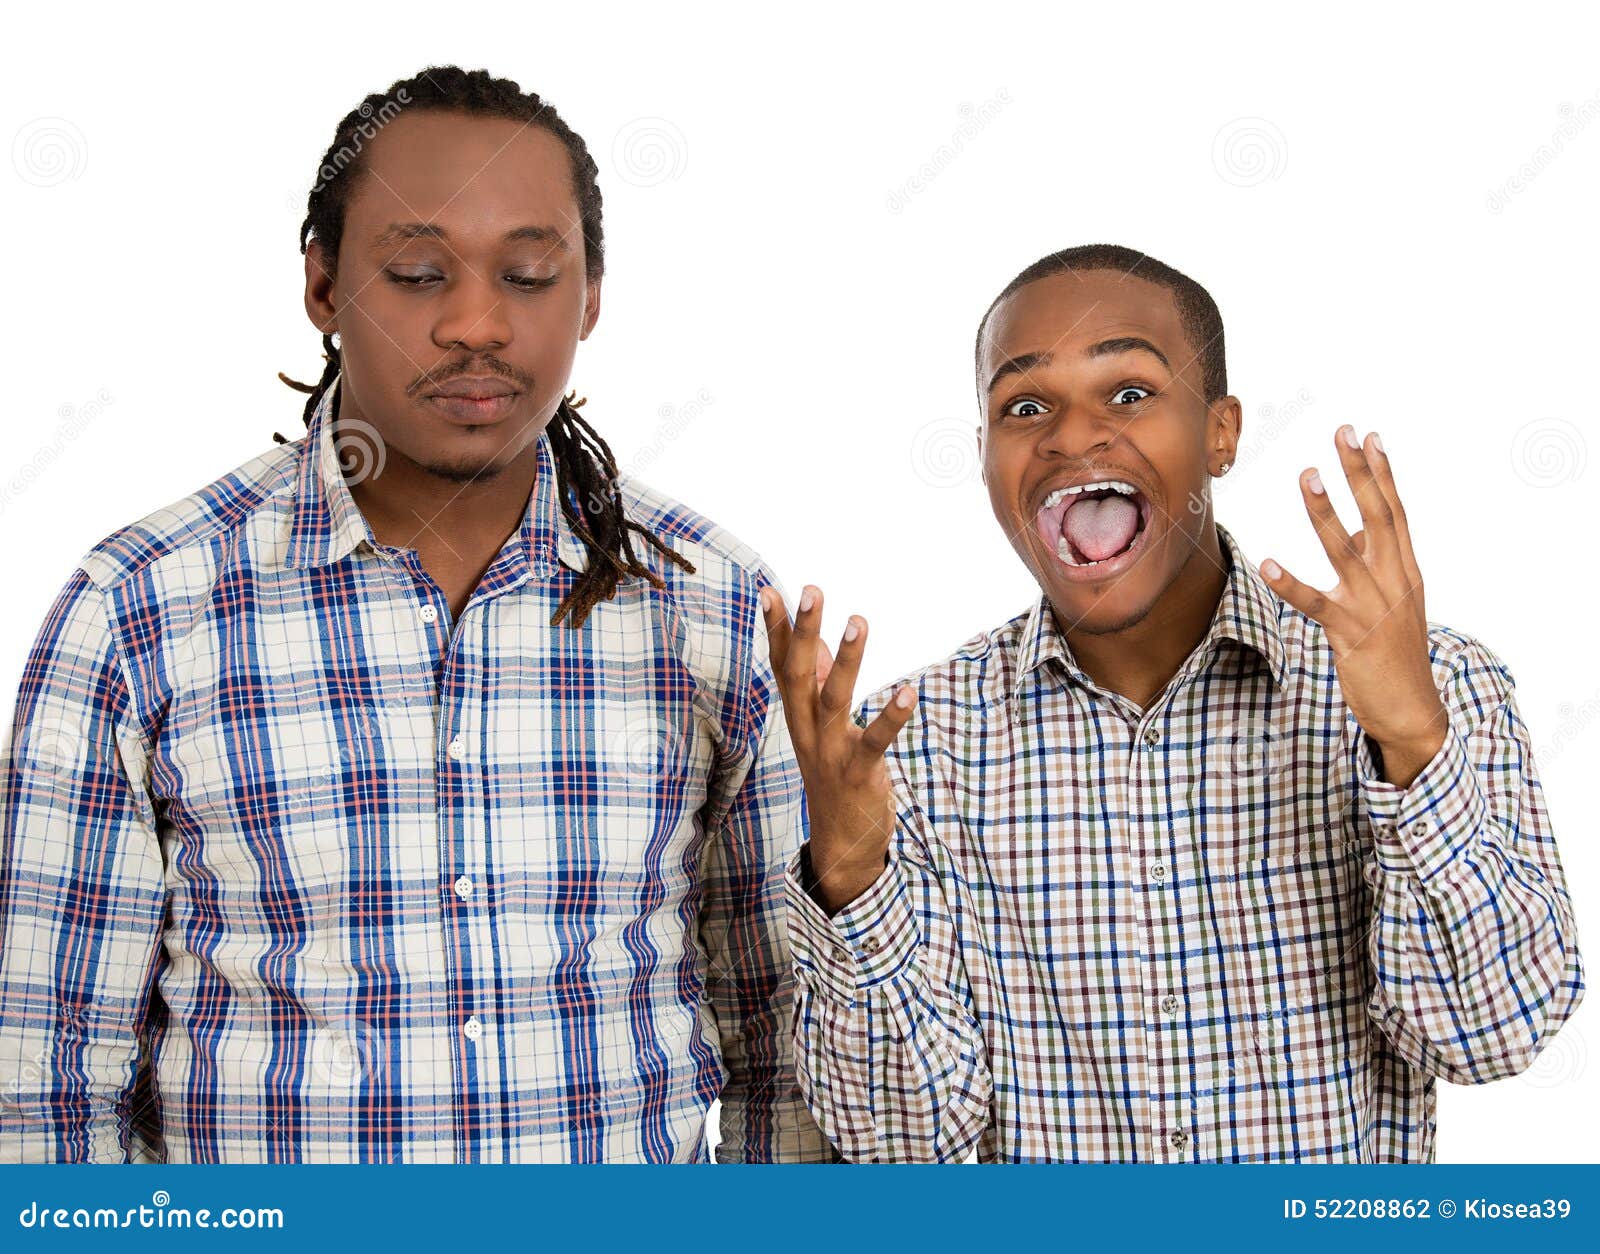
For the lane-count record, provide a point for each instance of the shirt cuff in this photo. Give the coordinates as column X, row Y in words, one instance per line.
column 871, row 940
column 1422, row 829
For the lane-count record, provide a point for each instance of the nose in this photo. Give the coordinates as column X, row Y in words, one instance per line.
column 472, row 317
column 1076, row 433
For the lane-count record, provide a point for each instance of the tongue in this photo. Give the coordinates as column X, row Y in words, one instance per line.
column 1102, row 528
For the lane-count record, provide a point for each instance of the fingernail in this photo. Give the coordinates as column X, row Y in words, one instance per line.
column 1377, row 442
column 808, row 598
column 766, row 600
column 1350, row 437
column 851, row 631
column 1270, row 569
column 904, row 697
column 1315, row 483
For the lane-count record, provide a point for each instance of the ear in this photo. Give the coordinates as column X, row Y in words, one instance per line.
column 983, row 471
column 1224, row 426
column 591, row 307
column 319, row 290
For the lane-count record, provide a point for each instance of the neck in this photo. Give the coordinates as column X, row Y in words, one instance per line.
column 1140, row 660
column 408, row 506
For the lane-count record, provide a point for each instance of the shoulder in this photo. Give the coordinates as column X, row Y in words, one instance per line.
column 976, row 676
column 723, row 564
column 1453, row 653
column 195, row 522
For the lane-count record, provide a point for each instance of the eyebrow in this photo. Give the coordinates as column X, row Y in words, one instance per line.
column 398, row 231
column 1024, row 362
column 1019, row 364
column 1127, row 344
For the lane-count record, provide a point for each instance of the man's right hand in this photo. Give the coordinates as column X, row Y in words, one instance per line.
column 847, row 781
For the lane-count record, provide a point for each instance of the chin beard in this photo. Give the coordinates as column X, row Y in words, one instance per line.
column 1090, row 628
column 481, row 473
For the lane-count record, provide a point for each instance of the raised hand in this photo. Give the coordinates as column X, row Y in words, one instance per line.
column 1374, row 619
column 847, row 782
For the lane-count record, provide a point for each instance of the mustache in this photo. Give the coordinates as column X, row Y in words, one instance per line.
column 481, row 365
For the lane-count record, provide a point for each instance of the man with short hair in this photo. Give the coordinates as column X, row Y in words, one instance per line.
column 1186, row 863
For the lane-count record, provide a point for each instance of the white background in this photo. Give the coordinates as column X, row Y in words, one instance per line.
column 807, row 209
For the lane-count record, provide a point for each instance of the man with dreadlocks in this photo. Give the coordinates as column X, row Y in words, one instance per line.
column 419, row 790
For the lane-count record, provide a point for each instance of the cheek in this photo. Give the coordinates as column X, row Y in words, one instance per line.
column 384, row 326
column 1174, row 447
column 1002, row 478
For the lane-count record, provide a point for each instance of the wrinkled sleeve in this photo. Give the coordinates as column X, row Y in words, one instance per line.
column 1473, row 944
column 81, row 896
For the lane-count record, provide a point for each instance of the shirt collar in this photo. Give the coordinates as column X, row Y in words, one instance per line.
column 327, row 524
column 1248, row 613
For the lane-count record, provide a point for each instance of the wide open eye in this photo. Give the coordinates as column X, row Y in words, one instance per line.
column 1023, row 407
column 1130, row 394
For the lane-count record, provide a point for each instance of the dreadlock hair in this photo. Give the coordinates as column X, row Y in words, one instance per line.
column 1197, row 312
column 586, row 470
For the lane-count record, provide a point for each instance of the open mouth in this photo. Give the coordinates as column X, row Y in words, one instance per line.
column 1093, row 526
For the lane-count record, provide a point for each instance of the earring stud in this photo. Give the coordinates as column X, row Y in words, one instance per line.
column 1223, row 469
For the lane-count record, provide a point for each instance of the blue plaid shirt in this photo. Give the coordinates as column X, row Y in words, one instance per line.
column 293, row 867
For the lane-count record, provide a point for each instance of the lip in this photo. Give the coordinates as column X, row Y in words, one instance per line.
column 1099, row 474
column 473, row 400
column 1101, row 571
column 477, row 387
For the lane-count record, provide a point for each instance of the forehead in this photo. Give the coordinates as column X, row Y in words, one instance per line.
column 461, row 171
column 1065, row 313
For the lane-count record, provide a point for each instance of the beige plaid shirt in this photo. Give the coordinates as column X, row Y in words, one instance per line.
column 1203, row 931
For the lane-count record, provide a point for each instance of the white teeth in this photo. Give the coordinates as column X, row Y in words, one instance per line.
column 1115, row 485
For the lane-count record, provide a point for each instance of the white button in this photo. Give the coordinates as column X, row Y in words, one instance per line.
column 427, row 613
column 841, row 954
column 1169, row 1004
column 457, row 748
column 871, row 945
column 1151, row 736
column 1419, row 828
column 473, row 1028
column 463, row 886
column 1158, row 871
column 1179, row 1139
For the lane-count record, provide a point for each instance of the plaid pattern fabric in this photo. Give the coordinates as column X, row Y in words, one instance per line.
column 1206, row 931
column 294, row 868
